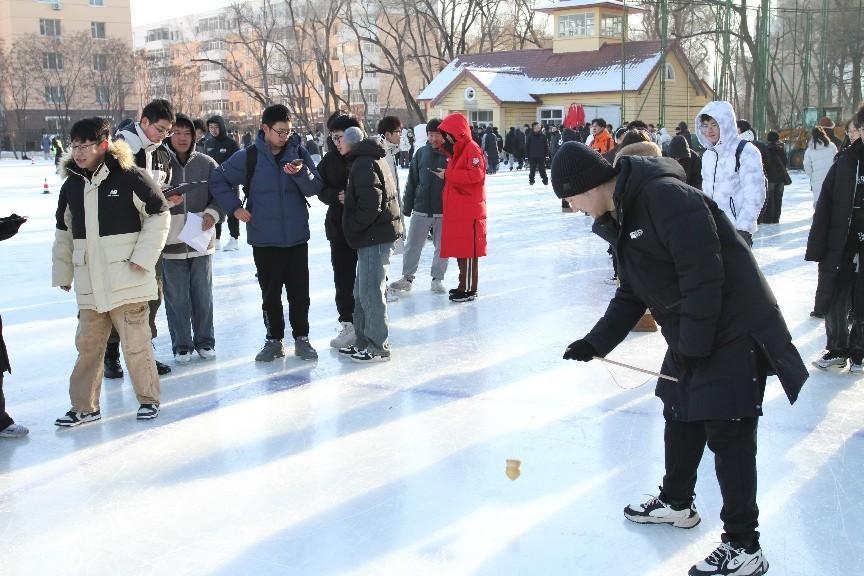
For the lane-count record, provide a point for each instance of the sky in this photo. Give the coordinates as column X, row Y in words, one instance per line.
column 146, row 11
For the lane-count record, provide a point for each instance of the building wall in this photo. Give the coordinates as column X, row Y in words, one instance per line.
column 20, row 17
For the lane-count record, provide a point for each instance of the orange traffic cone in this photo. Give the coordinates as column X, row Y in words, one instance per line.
column 45, row 187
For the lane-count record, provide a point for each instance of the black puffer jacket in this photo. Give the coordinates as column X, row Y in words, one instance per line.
column 775, row 162
column 679, row 255
column 371, row 215
column 220, row 147
column 537, row 146
column 333, row 169
column 829, row 231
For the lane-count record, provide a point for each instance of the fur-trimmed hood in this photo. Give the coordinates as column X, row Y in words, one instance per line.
column 638, row 149
column 118, row 154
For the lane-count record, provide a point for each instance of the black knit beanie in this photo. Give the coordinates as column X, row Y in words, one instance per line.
column 576, row 168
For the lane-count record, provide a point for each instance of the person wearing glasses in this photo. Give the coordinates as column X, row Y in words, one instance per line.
column 112, row 223
column 836, row 242
column 149, row 153
column 278, row 177
column 732, row 172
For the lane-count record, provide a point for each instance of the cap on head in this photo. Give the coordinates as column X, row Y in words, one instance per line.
column 576, row 168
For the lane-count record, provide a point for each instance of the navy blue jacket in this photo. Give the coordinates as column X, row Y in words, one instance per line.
column 277, row 201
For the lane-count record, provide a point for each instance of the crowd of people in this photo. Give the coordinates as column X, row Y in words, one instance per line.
column 138, row 218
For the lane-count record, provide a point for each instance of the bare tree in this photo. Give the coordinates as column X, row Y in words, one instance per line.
column 22, row 88
column 109, row 74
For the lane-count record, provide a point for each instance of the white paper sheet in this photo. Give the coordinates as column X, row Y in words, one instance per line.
column 192, row 234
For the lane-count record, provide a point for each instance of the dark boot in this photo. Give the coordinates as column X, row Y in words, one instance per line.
column 113, row 369
column 162, row 369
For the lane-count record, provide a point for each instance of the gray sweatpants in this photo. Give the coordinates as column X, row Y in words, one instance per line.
column 418, row 231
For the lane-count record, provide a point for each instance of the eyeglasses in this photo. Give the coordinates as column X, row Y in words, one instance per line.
column 166, row 132
column 86, row 147
column 337, row 137
column 281, row 133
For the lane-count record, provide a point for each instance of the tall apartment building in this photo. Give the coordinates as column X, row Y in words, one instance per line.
column 51, row 22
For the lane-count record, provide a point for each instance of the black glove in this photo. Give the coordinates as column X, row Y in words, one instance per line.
column 9, row 225
column 580, row 350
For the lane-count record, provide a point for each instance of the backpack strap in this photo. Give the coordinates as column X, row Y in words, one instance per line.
column 738, row 154
column 251, row 162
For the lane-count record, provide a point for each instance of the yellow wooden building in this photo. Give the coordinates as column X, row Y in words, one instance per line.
column 589, row 64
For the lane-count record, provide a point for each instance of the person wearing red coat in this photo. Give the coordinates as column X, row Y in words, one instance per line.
column 463, row 230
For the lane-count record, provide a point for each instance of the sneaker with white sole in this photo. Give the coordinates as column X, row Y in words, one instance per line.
column 231, row 245
column 304, row 349
column 147, row 411
column 390, row 295
column 272, row 349
column 207, row 353
column 730, row 559
column 218, row 244
column 830, row 360
column 73, row 418
column 855, row 366
column 349, row 350
column 438, row 287
column 403, row 284
column 182, row 357
column 366, row 357
column 346, row 336
column 14, row 431
column 656, row 511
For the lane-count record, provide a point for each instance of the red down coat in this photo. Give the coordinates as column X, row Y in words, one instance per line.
column 463, row 233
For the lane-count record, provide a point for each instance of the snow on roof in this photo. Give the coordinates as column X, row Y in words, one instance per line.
column 517, row 76
column 580, row 4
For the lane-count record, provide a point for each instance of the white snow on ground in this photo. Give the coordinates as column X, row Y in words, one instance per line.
column 398, row 468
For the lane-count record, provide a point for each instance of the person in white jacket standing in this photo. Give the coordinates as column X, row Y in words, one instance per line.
column 818, row 158
column 732, row 172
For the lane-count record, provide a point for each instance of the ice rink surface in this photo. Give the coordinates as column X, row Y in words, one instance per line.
column 399, row 468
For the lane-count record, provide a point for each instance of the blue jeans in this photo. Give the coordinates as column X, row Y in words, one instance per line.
column 370, row 305
column 188, row 293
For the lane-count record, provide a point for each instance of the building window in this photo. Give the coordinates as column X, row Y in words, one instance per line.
column 157, row 34
column 100, row 62
column 212, row 24
column 97, row 2
column 550, row 116
column 212, row 45
column 97, row 30
column 102, row 95
column 576, row 25
column 49, row 27
column 54, row 94
column 611, row 26
column 670, row 72
column 480, row 117
column 52, row 61
column 216, row 105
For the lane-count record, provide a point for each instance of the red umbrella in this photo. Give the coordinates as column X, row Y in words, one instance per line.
column 575, row 116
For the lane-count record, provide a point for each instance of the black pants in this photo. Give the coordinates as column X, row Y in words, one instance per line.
column 5, row 419
column 773, row 203
column 733, row 443
column 844, row 319
column 344, row 261
column 288, row 267
column 233, row 227
column 535, row 164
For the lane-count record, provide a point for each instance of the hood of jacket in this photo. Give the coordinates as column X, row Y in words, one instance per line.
column 569, row 135
column 723, row 113
column 635, row 172
column 457, row 126
column 119, row 154
column 638, row 149
column 368, row 147
column 678, row 148
column 218, row 120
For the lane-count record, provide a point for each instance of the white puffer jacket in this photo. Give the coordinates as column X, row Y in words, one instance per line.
column 817, row 161
column 741, row 194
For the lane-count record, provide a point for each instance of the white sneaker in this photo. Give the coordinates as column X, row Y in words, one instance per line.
column 829, row 360
column 218, row 244
column 656, row 511
column 345, row 338
column 14, row 431
column 401, row 284
column 207, row 353
column 438, row 287
column 855, row 367
column 730, row 559
column 182, row 357
column 390, row 295
column 231, row 246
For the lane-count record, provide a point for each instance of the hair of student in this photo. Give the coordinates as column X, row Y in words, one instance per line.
column 93, row 129
column 334, row 116
column 633, row 136
column 432, row 125
column 744, row 125
column 599, row 122
column 158, row 109
column 388, row 124
column 198, row 124
column 637, row 125
column 705, row 117
column 818, row 134
column 275, row 113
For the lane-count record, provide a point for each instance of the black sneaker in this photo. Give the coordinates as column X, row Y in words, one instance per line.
column 730, row 559
column 162, row 369
column 459, row 296
column 147, row 411
column 304, row 349
column 113, row 369
column 73, row 418
column 348, row 350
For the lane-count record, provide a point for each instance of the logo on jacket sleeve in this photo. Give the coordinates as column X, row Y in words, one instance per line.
column 636, row 234
column 475, row 161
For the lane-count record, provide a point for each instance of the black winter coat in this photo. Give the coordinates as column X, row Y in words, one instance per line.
column 333, row 169
column 537, row 146
column 371, row 215
column 832, row 219
column 220, row 147
column 679, row 255
column 775, row 162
